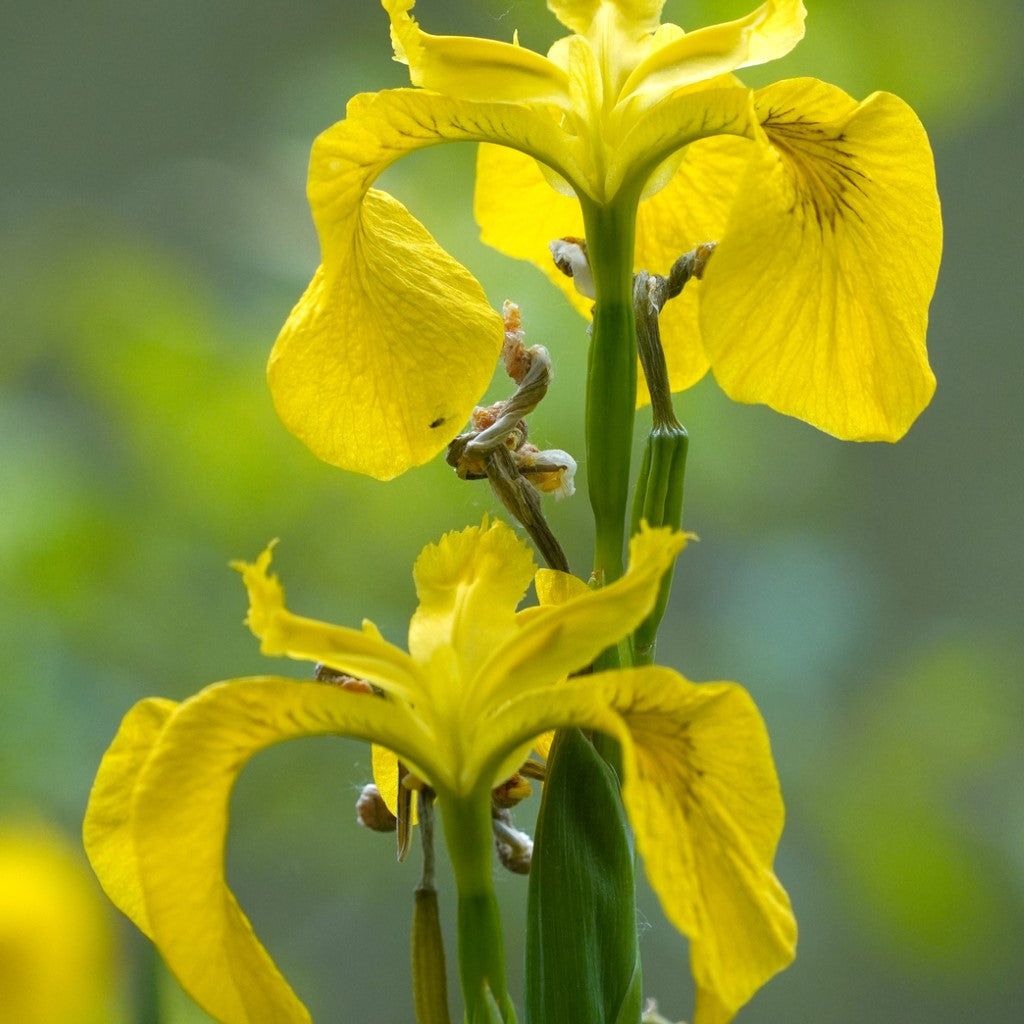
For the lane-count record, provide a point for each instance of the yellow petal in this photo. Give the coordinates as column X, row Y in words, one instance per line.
column 703, row 797
column 468, row 68
column 181, row 820
column 394, row 342
column 816, row 301
column 554, row 587
column 542, row 744
column 364, row 371
column 519, row 213
column 559, row 639
column 385, row 775
column 764, row 35
column 692, row 208
column 469, row 585
column 360, row 653
column 721, row 107
column 580, row 15
column 107, row 828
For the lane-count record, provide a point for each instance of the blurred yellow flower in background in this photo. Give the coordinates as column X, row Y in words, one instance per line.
column 56, row 949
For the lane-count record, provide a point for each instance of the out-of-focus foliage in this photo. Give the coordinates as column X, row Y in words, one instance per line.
column 154, row 235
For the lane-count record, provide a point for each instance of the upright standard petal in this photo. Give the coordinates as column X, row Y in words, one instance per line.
column 816, row 301
column 469, row 585
column 107, row 828
column 200, row 930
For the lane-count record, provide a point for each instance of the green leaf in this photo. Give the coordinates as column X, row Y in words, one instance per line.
column 582, row 959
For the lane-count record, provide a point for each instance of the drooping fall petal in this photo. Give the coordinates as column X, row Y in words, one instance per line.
column 816, row 301
column 107, row 828
column 703, row 797
column 384, row 357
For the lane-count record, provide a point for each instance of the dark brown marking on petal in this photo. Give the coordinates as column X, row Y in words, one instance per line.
column 822, row 166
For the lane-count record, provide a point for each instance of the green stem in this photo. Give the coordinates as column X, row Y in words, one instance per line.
column 659, row 489
column 467, row 828
column 429, row 974
column 611, row 377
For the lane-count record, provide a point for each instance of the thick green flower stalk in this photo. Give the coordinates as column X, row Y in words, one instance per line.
column 630, row 143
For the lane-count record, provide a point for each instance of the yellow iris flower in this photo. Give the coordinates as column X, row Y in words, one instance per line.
column 825, row 209
column 461, row 708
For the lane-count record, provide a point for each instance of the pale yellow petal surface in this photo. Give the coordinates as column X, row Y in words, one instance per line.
column 469, row 585
column 703, row 797
column 764, row 35
column 360, row 653
column 692, row 208
column 394, row 342
column 554, row 587
column 181, row 821
column 519, row 213
column 384, row 765
column 721, row 107
column 816, row 301
column 107, row 828
column 469, row 68
column 563, row 638
column 383, row 358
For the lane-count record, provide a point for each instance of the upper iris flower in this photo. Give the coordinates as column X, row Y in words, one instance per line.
column 479, row 683
column 635, row 135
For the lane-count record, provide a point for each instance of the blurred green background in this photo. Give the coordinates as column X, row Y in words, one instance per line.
column 154, row 235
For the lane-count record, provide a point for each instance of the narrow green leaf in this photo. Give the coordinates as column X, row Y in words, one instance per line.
column 582, row 959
